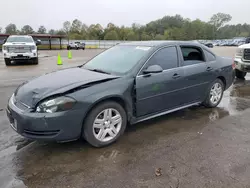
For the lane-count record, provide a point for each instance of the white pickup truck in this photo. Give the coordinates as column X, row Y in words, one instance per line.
column 20, row 48
column 242, row 61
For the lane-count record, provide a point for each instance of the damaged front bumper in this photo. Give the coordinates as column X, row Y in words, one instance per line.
column 59, row 127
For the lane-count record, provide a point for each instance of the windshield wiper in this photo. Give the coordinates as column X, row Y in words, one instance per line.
column 98, row 70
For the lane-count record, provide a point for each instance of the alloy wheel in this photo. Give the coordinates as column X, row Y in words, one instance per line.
column 107, row 125
column 216, row 93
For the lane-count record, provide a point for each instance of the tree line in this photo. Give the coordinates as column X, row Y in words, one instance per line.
column 167, row 28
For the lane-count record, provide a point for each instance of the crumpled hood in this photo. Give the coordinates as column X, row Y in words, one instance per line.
column 30, row 93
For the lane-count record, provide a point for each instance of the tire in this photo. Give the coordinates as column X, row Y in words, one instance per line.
column 240, row 74
column 91, row 134
column 35, row 61
column 7, row 62
column 211, row 102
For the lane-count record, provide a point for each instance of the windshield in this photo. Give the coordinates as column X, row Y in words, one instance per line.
column 19, row 39
column 118, row 59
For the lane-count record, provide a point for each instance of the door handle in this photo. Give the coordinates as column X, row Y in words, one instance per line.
column 209, row 68
column 175, row 76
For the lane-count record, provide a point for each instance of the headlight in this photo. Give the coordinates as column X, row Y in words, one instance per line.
column 239, row 52
column 4, row 47
column 33, row 47
column 58, row 104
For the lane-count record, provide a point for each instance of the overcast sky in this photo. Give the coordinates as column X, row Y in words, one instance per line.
column 52, row 13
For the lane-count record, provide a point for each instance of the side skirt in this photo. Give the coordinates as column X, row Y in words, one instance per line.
column 144, row 118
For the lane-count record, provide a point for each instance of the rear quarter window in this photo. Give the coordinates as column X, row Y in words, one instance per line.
column 210, row 56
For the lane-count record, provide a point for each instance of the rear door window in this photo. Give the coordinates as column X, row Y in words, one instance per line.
column 192, row 55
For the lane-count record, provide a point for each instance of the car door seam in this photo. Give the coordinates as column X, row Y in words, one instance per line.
column 172, row 91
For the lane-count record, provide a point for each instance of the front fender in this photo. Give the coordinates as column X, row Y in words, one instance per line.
column 121, row 89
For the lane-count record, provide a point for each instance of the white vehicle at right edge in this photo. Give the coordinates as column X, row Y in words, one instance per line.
column 242, row 61
column 20, row 48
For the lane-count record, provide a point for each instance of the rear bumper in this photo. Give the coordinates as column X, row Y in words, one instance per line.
column 242, row 65
column 229, row 79
column 59, row 127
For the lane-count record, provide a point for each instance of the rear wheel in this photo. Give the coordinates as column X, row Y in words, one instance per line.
column 215, row 94
column 7, row 62
column 105, row 124
column 240, row 74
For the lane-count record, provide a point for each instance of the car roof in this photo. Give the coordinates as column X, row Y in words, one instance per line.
column 160, row 43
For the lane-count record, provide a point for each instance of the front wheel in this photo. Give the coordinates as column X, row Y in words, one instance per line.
column 240, row 74
column 7, row 62
column 35, row 61
column 215, row 94
column 105, row 124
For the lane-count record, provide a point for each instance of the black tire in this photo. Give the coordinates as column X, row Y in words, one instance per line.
column 7, row 62
column 35, row 61
column 208, row 103
column 88, row 134
column 240, row 74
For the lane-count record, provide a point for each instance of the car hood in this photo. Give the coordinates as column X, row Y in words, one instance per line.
column 18, row 44
column 244, row 46
column 59, row 82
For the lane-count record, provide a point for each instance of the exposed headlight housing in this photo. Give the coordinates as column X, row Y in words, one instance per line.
column 239, row 52
column 57, row 104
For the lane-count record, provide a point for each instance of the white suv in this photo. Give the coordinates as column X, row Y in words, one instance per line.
column 20, row 48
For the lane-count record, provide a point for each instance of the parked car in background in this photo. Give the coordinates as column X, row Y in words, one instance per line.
column 224, row 43
column 76, row 45
column 209, row 44
column 215, row 42
column 128, row 83
column 20, row 48
column 230, row 42
column 247, row 41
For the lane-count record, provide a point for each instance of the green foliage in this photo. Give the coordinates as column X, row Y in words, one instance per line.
column 27, row 29
column 41, row 30
column 111, row 35
column 159, row 37
column 219, row 19
column 11, row 29
column 167, row 28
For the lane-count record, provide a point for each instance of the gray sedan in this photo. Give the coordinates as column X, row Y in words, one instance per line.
column 127, row 83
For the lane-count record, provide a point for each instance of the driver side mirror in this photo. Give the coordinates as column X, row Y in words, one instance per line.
column 38, row 42
column 153, row 69
column 4, row 40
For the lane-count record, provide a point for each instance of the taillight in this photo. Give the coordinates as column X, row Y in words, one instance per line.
column 233, row 64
